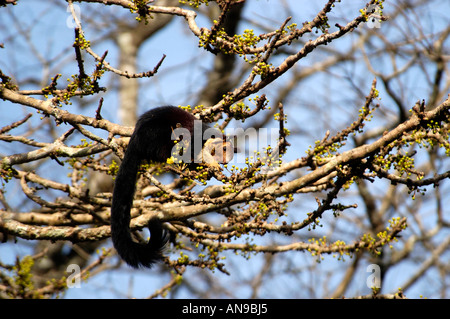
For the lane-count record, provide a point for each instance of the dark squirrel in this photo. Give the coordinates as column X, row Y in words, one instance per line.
column 154, row 139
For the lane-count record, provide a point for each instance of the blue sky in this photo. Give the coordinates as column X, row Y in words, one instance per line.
column 44, row 48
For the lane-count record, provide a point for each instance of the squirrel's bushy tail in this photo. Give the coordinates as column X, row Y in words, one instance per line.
column 134, row 254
